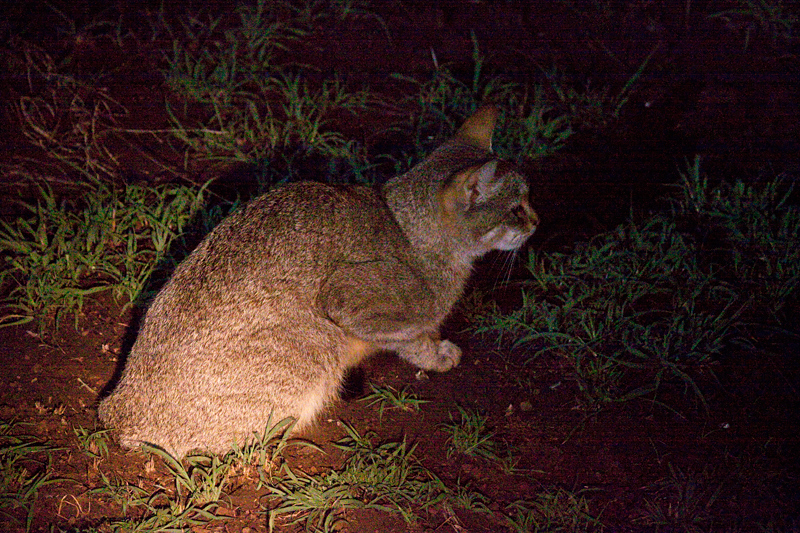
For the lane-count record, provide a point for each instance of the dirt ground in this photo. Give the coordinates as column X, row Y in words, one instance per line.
column 734, row 468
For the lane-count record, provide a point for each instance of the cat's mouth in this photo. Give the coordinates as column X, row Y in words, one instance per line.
column 511, row 236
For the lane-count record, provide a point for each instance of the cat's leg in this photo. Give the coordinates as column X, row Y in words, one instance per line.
column 388, row 305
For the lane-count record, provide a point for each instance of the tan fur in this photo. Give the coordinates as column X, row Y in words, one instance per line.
column 267, row 314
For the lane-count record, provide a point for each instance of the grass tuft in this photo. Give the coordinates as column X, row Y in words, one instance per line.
column 390, row 398
column 386, row 477
column 470, row 436
column 556, row 510
column 25, row 467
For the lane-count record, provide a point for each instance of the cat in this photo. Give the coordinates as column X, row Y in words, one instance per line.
column 266, row 315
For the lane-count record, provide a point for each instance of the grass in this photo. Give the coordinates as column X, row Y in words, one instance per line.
column 749, row 234
column 262, row 454
column 470, row 435
column 25, row 468
column 682, row 501
column 386, row 477
column 660, row 300
column 86, row 230
column 442, row 101
column 196, row 486
column 93, row 443
column 554, row 510
column 233, row 99
column 102, row 237
column 390, row 398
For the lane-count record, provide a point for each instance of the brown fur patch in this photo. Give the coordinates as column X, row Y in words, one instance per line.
column 356, row 350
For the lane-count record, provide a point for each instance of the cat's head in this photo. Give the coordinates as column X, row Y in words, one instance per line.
column 486, row 204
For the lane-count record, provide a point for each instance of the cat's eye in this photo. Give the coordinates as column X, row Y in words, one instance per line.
column 519, row 213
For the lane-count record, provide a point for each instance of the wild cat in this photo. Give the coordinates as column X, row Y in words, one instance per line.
column 264, row 318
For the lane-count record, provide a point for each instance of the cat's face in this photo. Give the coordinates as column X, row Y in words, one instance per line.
column 516, row 226
column 491, row 204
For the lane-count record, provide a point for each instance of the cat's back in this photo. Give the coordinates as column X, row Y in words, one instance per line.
column 284, row 242
column 287, row 223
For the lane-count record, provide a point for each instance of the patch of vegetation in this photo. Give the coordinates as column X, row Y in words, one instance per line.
column 682, row 502
column 386, row 477
column 87, row 231
column 197, row 485
column 390, row 398
column 661, row 299
column 747, row 235
column 444, row 100
column 470, row 435
column 263, row 453
column 93, row 443
column 101, row 237
column 556, row 510
column 25, row 467
column 234, row 99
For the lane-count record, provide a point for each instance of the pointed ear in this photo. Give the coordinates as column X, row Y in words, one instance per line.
column 478, row 128
column 471, row 186
column 482, row 183
column 479, row 183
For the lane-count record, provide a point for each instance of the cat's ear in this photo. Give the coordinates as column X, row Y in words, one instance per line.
column 480, row 183
column 472, row 186
column 478, row 129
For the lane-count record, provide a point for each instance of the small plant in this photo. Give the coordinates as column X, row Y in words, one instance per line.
column 23, row 472
column 682, row 501
column 124, row 494
column 470, row 436
column 465, row 497
column 265, row 450
column 558, row 510
column 390, row 398
column 200, row 483
column 386, row 477
column 93, row 443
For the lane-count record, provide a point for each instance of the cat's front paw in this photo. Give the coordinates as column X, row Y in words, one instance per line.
column 448, row 355
column 428, row 354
